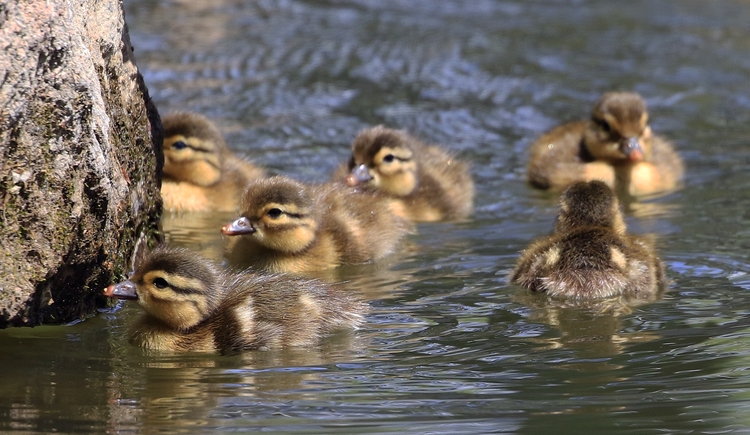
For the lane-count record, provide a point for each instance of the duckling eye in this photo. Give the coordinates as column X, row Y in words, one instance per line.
column 274, row 213
column 161, row 283
column 389, row 158
column 604, row 125
column 179, row 145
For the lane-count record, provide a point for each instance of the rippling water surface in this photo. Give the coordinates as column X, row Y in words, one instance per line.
column 449, row 347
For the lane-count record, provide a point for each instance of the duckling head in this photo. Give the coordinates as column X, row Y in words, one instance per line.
column 384, row 159
column 173, row 285
column 194, row 149
column 589, row 203
column 619, row 130
column 278, row 213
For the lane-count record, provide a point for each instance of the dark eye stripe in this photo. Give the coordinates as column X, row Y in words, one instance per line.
column 187, row 290
column 294, row 215
column 186, row 145
column 400, row 159
column 200, row 150
column 179, row 279
column 373, row 165
column 176, row 289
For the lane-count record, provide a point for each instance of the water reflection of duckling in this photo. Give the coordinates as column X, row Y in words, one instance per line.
column 429, row 184
column 194, row 305
column 589, row 256
column 615, row 146
column 200, row 172
column 288, row 226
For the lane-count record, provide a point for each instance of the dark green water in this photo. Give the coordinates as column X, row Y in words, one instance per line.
column 449, row 347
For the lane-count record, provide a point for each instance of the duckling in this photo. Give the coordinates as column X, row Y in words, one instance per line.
column 616, row 146
column 288, row 226
column 427, row 183
column 193, row 305
column 589, row 256
column 200, row 172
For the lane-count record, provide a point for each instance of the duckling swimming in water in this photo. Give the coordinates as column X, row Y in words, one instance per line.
column 615, row 146
column 589, row 255
column 427, row 183
column 288, row 226
column 193, row 305
column 200, row 172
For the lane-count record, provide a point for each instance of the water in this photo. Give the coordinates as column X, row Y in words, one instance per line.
column 449, row 347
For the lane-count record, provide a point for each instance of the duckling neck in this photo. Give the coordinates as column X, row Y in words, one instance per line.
column 153, row 334
column 202, row 173
column 323, row 252
column 584, row 154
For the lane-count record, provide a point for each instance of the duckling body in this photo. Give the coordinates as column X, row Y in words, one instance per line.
column 427, row 183
column 615, row 146
column 192, row 305
column 288, row 226
column 200, row 172
column 589, row 255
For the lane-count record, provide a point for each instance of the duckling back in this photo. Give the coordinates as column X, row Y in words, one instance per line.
column 586, row 205
column 288, row 226
column 362, row 224
column 429, row 183
column 193, row 305
column 272, row 311
column 589, row 256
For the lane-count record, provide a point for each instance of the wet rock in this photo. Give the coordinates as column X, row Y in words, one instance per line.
column 79, row 151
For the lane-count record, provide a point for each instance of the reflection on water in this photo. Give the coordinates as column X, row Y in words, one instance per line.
column 200, row 232
column 176, row 393
column 449, row 346
column 592, row 330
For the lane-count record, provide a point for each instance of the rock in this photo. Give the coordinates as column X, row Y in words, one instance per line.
column 80, row 158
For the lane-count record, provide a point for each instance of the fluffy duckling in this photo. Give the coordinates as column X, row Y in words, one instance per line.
column 589, row 255
column 616, row 146
column 193, row 305
column 427, row 183
column 200, row 172
column 288, row 226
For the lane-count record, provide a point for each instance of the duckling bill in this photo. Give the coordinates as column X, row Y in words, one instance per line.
column 427, row 183
column 193, row 305
column 589, row 256
column 616, row 146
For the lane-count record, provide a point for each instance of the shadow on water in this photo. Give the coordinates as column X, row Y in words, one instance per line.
column 449, row 347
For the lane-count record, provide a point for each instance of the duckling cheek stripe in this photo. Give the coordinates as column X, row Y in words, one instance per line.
column 190, row 287
column 178, row 283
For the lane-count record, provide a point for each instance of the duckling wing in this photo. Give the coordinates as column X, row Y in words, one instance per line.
column 446, row 183
column 555, row 158
column 272, row 311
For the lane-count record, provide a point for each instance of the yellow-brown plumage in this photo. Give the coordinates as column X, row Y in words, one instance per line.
column 616, row 146
column 200, row 172
column 589, row 255
column 288, row 226
column 427, row 183
column 194, row 305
